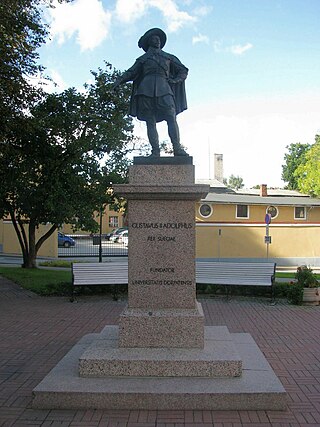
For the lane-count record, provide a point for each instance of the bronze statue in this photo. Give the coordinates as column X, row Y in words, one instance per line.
column 158, row 91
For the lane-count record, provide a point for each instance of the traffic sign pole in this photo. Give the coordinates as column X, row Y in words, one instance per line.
column 267, row 239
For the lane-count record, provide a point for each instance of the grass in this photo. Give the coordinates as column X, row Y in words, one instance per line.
column 52, row 282
column 281, row 275
column 290, row 275
column 56, row 263
column 42, row 282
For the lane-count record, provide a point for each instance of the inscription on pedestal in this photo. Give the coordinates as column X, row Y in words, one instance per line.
column 161, row 254
column 162, row 242
column 162, row 225
column 161, row 238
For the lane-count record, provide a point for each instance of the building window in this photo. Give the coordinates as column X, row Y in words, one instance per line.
column 242, row 211
column 273, row 211
column 113, row 222
column 300, row 212
column 205, row 210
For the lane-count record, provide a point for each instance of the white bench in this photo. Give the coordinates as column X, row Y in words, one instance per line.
column 207, row 272
column 236, row 273
column 99, row 274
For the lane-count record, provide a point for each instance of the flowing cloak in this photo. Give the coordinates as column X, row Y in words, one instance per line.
column 177, row 72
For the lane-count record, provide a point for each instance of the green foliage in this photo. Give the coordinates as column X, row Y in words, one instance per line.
column 307, row 174
column 40, row 281
column 295, row 294
column 56, row 263
column 291, row 291
column 46, row 282
column 235, row 182
column 305, row 277
column 50, row 168
column 293, row 159
column 21, row 34
column 51, row 144
column 280, row 290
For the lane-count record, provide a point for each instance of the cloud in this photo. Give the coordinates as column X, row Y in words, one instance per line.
column 235, row 49
column 217, row 46
column 85, row 18
column 56, row 84
column 136, row 9
column 60, row 84
column 240, row 49
column 200, row 38
column 130, row 11
column 203, row 10
column 252, row 134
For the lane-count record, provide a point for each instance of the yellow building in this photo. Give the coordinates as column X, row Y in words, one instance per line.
column 232, row 225
column 9, row 243
column 110, row 220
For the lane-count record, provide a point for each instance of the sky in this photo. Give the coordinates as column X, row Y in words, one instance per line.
column 253, row 85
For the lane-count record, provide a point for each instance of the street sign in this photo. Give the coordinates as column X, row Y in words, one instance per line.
column 267, row 239
column 267, row 219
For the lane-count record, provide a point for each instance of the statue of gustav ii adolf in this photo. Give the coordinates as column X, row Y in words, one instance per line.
column 158, row 91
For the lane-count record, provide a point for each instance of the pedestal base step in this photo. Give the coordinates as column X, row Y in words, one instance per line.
column 257, row 389
column 218, row 358
column 162, row 328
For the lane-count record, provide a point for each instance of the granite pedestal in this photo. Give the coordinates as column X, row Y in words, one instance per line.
column 257, row 388
column 161, row 356
column 162, row 308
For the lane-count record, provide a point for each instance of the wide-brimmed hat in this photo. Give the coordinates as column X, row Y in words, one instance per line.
column 143, row 41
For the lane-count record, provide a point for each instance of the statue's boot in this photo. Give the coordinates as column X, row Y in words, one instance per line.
column 178, row 150
column 155, row 152
column 153, row 138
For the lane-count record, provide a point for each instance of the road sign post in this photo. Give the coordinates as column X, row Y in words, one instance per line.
column 267, row 238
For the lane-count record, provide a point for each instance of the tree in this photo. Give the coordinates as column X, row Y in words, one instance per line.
column 234, row 182
column 50, row 162
column 51, row 145
column 21, row 33
column 307, row 173
column 293, row 159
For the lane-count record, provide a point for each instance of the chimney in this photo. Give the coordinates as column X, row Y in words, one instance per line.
column 263, row 190
column 218, row 167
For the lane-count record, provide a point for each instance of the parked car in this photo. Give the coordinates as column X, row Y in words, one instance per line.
column 116, row 233
column 65, row 241
column 123, row 238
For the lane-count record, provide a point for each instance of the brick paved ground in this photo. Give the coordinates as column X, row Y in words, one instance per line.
column 36, row 332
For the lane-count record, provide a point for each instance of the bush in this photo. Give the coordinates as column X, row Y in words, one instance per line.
column 306, row 277
column 295, row 294
column 281, row 289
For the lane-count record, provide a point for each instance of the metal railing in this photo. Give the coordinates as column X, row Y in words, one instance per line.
column 89, row 245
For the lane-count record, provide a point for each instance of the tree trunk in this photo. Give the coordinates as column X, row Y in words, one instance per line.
column 29, row 260
column 29, row 246
column 18, row 226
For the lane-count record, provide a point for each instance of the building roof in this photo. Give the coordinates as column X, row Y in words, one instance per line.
column 247, row 199
column 216, row 186
column 277, row 192
column 212, row 182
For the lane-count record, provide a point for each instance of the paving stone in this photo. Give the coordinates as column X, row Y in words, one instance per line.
column 35, row 331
